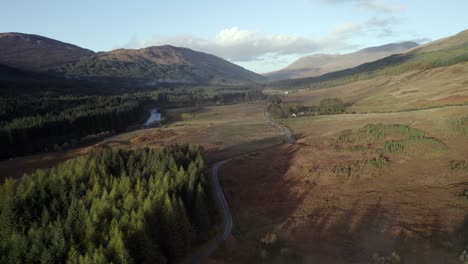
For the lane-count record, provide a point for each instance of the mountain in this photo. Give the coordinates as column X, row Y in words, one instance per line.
column 36, row 53
column 316, row 65
column 128, row 67
column 161, row 64
column 440, row 53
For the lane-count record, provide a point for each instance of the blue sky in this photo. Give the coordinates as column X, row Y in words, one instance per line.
column 259, row 35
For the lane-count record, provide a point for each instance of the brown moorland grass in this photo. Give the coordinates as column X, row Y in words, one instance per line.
column 412, row 209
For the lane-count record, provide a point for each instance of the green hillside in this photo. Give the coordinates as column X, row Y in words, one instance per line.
column 122, row 67
column 320, row 64
column 441, row 53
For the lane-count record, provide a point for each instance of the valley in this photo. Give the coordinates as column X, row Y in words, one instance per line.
column 155, row 152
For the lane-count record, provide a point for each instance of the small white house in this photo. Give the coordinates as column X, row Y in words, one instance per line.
column 287, row 92
column 294, row 115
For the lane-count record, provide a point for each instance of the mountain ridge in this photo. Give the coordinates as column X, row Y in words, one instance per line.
column 319, row 64
column 142, row 67
column 439, row 53
column 161, row 64
column 30, row 52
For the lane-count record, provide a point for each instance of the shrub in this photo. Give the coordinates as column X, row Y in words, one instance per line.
column 458, row 165
column 331, row 106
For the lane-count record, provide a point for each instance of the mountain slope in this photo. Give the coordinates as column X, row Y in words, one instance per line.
column 162, row 64
column 316, row 65
column 36, row 53
column 441, row 53
column 148, row 66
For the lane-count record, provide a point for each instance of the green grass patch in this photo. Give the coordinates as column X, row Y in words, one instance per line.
column 380, row 142
column 355, row 168
column 386, row 139
column 458, row 165
column 460, row 125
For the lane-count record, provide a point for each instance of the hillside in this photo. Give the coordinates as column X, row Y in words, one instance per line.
column 148, row 66
column 319, row 64
column 163, row 64
column 440, row 53
column 36, row 53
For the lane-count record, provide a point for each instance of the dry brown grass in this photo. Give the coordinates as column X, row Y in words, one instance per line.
column 412, row 207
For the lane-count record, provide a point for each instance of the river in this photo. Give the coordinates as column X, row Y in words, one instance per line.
column 154, row 119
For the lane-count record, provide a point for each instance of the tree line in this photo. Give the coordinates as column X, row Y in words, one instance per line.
column 327, row 106
column 37, row 124
column 200, row 96
column 48, row 122
column 141, row 206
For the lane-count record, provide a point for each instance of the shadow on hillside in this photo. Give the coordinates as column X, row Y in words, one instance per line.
column 244, row 148
column 367, row 233
column 264, row 199
column 260, row 196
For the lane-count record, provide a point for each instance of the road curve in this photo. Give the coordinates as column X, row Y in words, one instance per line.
column 211, row 247
column 290, row 139
column 222, row 200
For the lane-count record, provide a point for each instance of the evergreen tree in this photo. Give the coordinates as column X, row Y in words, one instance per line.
column 140, row 206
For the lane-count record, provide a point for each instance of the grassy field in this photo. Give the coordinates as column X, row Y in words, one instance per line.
column 411, row 90
column 224, row 131
column 360, row 188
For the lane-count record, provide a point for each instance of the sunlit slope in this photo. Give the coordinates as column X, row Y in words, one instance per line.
column 412, row 90
column 433, row 75
column 320, row 64
column 441, row 53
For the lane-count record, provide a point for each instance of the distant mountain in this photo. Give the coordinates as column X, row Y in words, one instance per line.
column 148, row 66
column 441, row 53
column 36, row 53
column 316, row 65
column 162, row 64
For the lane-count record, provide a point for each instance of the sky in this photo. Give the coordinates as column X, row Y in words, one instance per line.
column 261, row 36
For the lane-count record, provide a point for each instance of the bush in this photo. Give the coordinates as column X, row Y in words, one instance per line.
column 275, row 99
column 458, row 165
column 330, row 106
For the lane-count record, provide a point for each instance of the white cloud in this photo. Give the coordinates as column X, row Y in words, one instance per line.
column 382, row 27
column 345, row 29
column 381, row 6
column 240, row 45
column 265, row 52
column 376, row 5
column 382, row 22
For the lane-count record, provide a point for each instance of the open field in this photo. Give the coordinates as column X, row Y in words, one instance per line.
column 223, row 131
column 411, row 90
column 364, row 188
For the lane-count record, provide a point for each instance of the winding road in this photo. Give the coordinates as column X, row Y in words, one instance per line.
column 212, row 245
column 290, row 139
